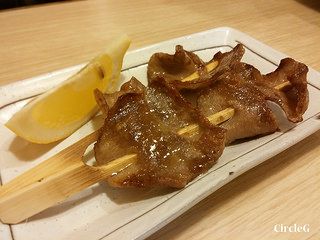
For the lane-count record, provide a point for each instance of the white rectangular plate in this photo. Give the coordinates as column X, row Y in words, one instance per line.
column 102, row 212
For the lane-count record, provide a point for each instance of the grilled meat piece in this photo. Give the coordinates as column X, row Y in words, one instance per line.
column 174, row 67
column 293, row 98
column 145, row 121
column 177, row 68
column 247, row 90
column 252, row 114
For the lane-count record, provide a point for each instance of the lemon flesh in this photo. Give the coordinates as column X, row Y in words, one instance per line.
column 59, row 112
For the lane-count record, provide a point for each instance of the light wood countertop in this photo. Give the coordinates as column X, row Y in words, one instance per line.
column 283, row 190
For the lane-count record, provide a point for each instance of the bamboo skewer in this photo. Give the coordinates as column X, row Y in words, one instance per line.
column 282, row 85
column 53, row 181
column 212, row 65
column 209, row 67
column 214, row 119
column 65, row 174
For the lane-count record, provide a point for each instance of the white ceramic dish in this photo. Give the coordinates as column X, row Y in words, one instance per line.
column 102, row 212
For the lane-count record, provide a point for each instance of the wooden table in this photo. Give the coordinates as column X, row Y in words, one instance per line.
column 284, row 190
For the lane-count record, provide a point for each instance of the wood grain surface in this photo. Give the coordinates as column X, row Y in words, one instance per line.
column 284, row 190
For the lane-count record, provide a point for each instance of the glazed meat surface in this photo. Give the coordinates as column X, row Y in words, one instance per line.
column 144, row 121
column 252, row 115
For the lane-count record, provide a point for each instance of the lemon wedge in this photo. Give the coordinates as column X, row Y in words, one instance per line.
column 59, row 112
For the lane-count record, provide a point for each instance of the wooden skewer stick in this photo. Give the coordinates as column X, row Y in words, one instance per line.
column 282, row 85
column 215, row 119
column 63, row 175
column 210, row 66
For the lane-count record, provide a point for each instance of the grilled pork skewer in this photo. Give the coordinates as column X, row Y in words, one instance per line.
column 65, row 174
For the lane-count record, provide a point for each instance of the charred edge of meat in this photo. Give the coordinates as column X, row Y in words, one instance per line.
column 174, row 67
column 106, row 101
column 293, row 99
column 101, row 101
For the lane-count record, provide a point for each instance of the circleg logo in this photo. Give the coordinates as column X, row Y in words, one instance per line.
column 295, row 228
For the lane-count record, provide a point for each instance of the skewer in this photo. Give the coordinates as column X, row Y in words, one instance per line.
column 212, row 65
column 282, row 85
column 65, row 174
column 209, row 67
column 214, row 119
